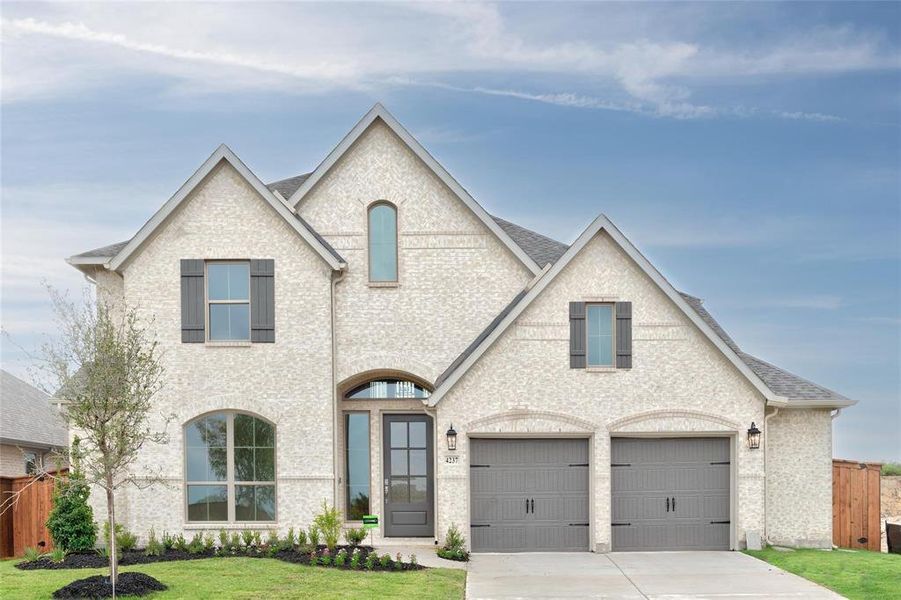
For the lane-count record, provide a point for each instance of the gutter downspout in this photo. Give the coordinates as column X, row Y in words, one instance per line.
column 336, row 467
column 766, row 474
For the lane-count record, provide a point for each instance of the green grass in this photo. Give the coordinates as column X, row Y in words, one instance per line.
column 853, row 573
column 891, row 469
column 249, row 578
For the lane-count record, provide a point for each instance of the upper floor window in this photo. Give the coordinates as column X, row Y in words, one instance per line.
column 31, row 463
column 382, row 243
column 387, row 389
column 599, row 335
column 228, row 297
column 230, row 468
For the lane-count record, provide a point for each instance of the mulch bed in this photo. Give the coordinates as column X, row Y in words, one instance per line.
column 93, row 560
column 98, row 586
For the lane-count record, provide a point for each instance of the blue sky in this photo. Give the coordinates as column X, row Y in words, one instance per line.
column 751, row 150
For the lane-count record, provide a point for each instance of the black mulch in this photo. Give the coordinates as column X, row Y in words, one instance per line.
column 98, row 586
column 88, row 560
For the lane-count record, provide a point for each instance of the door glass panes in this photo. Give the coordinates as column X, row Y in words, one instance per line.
column 387, row 389
column 357, row 449
column 382, row 243
column 599, row 324
column 409, row 466
column 228, row 294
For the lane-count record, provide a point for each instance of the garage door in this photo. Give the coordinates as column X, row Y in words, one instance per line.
column 670, row 494
column 529, row 495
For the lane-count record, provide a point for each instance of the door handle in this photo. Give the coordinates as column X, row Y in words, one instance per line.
column 527, row 506
column 667, row 505
column 674, row 504
column 533, row 506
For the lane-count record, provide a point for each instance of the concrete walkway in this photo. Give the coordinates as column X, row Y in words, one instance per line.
column 635, row 575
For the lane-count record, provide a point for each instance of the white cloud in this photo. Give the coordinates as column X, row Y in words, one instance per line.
column 461, row 45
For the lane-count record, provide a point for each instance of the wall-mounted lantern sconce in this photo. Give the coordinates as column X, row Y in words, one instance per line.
column 753, row 437
column 451, row 438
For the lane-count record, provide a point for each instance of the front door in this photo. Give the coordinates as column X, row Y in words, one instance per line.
column 409, row 488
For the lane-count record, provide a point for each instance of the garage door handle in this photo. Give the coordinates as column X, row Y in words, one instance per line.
column 674, row 504
column 527, row 506
column 533, row 506
column 667, row 505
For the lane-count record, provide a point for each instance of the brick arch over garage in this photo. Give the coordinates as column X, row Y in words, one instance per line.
column 531, row 421
column 668, row 420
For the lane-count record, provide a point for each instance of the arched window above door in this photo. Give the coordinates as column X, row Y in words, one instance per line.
column 387, row 389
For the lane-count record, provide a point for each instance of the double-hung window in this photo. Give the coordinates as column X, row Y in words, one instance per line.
column 599, row 321
column 228, row 300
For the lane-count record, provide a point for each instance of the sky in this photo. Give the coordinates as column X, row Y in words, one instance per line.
column 751, row 151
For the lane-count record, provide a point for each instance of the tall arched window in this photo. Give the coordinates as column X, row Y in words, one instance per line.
column 382, row 242
column 230, row 468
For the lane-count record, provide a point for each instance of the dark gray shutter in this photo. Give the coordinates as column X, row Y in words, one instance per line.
column 623, row 335
column 576, row 335
column 192, row 297
column 262, row 300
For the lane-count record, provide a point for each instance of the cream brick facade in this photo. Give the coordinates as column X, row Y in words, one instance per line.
column 455, row 276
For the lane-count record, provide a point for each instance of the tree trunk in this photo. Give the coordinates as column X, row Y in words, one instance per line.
column 113, row 558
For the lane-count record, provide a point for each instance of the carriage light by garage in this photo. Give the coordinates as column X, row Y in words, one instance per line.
column 753, row 437
column 451, row 438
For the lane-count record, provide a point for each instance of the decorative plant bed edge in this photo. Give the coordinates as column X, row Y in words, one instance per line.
column 93, row 560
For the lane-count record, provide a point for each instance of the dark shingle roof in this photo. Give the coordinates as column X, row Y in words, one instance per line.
column 104, row 252
column 788, row 384
column 286, row 187
column 28, row 415
column 540, row 248
column 321, row 239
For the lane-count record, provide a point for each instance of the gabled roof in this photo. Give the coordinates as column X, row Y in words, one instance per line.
column 542, row 249
column 118, row 254
column 379, row 112
column 786, row 389
column 29, row 418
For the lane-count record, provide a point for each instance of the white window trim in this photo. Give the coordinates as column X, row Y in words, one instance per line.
column 612, row 365
column 207, row 302
column 229, row 481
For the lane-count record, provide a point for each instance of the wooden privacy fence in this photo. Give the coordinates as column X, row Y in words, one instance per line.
column 23, row 526
column 855, row 505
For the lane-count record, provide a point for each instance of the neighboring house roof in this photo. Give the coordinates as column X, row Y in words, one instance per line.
column 119, row 256
column 779, row 387
column 379, row 112
column 29, row 418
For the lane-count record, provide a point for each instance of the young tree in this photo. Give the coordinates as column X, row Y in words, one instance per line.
column 106, row 369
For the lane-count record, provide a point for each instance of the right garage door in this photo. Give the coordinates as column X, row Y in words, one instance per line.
column 670, row 494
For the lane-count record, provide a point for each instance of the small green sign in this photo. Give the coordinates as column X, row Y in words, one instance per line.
column 370, row 521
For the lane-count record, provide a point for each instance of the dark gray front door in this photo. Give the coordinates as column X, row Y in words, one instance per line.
column 409, row 489
column 670, row 494
column 528, row 495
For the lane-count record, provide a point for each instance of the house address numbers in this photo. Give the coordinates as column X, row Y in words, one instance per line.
column 451, row 459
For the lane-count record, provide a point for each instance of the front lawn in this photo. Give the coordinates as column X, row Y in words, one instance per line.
column 852, row 573
column 250, row 578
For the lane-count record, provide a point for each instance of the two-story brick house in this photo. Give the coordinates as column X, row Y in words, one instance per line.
column 367, row 334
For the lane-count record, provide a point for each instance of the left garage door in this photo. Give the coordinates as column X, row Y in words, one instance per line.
column 529, row 495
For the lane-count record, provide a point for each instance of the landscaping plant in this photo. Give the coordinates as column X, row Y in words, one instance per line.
column 104, row 369
column 355, row 559
column 341, row 558
column 290, row 540
column 454, row 545
column 31, row 554
column 314, row 536
column 234, row 544
column 328, row 522
column 154, row 546
column 301, row 537
column 57, row 555
column 384, row 561
column 247, row 537
column 71, row 522
column 180, row 543
column 209, row 543
column 399, row 562
column 196, row 544
column 223, row 540
column 370, row 561
column 168, row 541
column 354, row 536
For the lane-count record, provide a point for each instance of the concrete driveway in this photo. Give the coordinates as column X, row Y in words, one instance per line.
column 628, row 575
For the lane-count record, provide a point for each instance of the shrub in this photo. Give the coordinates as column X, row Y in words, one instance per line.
column 247, row 537
column 325, row 559
column 223, row 540
column 328, row 522
column 399, row 562
column 234, row 543
column 180, row 543
column 369, row 563
column 71, row 522
column 209, row 542
column 413, row 561
column 257, row 540
column 301, row 537
column 384, row 560
column 168, row 541
column 32, row 554
column 57, row 555
column 154, row 546
column 196, row 544
column 314, row 536
column 289, row 541
column 454, row 545
column 272, row 540
column 355, row 537
column 355, row 559
column 125, row 540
